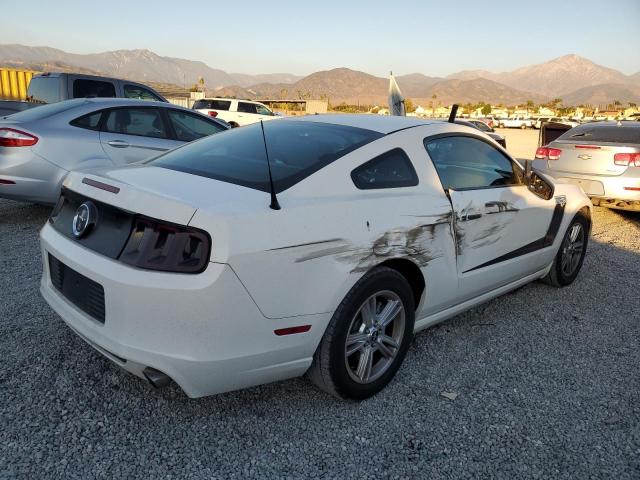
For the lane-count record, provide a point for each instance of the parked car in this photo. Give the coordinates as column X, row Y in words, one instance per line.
column 232, row 262
column 38, row 147
column 516, row 122
column 539, row 121
column 601, row 158
column 57, row 87
column 564, row 121
column 483, row 127
column 235, row 112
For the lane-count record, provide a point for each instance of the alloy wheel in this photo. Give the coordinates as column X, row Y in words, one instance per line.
column 572, row 248
column 374, row 336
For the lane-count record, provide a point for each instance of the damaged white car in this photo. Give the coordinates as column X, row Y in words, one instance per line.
column 315, row 245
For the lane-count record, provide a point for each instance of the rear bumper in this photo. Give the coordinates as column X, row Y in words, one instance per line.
column 35, row 179
column 606, row 187
column 204, row 331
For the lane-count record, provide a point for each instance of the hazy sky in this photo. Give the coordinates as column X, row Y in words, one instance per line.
column 430, row 37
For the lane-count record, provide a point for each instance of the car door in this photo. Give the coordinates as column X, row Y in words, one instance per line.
column 499, row 224
column 131, row 134
column 247, row 113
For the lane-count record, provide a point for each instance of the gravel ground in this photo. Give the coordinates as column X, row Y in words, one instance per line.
column 546, row 380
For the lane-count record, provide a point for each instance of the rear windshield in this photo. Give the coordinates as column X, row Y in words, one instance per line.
column 212, row 104
column 296, row 150
column 603, row 133
column 43, row 111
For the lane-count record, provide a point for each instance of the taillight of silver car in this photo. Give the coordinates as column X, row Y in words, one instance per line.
column 546, row 153
column 10, row 137
column 627, row 159
column 155, row 245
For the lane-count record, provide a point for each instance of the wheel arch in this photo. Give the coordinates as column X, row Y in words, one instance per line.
column 412, row 273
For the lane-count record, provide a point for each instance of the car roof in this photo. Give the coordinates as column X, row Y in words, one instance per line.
column 380, row 123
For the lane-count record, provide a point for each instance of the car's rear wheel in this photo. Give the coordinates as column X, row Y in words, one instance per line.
column 570, row 257
column 367, row 338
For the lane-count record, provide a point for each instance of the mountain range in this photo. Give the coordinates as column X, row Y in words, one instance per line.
column 574, row 79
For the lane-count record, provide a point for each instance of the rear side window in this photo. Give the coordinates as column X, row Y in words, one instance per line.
column 465, row 163
column 190, row 127
column 145, row 122
column 603, row 133
column 44, row 89
column 389, row 170
column 297, row 149
column 245, row 107
column 83, row 88
column 212, row 104
column 140, row 93
column 90, row 122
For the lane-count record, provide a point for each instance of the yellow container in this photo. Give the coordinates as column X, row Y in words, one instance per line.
column 14, row 83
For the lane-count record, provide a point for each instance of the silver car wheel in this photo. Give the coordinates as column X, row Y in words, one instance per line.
column 375, row 336
column 572, row 249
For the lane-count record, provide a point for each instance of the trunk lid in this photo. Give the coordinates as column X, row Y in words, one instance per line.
column 162, row 193
column 594, row 158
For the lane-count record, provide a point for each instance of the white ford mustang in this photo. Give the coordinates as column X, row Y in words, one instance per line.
column 378, row 227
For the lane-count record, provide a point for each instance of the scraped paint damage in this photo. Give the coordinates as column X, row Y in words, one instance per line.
column 415, row 243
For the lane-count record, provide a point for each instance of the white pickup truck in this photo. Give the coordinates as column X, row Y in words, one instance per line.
column 516, row 122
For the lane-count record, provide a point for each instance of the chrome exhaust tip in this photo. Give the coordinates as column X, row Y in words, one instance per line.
column 156, row 378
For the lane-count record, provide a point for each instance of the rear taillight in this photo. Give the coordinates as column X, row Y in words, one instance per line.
column 212, row 114
column 154, row 245
column 546, row 153
column 10, row 137
column 627, row 159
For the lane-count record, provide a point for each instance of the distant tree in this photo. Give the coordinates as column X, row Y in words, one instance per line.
column 283, row 93
column 408, row 106
column 617, row 103
column 632, row 105
column 486, row 109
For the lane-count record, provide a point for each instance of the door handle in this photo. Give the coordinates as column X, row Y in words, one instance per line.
column 118, row 143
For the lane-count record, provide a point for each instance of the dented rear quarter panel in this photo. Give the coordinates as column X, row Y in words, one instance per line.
column 303, row 258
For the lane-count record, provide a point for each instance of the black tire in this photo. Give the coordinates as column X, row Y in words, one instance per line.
column 330, row 370
column 558, row 276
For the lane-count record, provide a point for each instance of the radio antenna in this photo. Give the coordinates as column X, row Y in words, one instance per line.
column 454, row 111
column 274, row 205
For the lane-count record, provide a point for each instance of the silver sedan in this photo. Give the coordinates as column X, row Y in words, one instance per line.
column 602, row 158
column 38, row 147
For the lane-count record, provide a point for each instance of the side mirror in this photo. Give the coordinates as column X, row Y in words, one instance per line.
column 492, row 130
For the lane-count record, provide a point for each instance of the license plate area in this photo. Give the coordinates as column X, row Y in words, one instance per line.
column 81, row 291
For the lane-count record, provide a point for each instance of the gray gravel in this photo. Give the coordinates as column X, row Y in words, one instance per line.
column 547, row 385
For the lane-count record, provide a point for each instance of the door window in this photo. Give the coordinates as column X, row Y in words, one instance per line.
column 83, row 88
column 140, row 93
column 89, row 122
column 191, row 127
column 212, row 104
column 145, row 122
column 465, row 163
column 244, row 107
column 389, row 170
column 262, row 110
column 44, row 89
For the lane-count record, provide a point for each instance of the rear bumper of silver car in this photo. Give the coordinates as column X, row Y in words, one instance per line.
column 614, row 191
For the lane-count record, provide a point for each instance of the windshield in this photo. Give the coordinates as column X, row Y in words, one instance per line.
column 296, row 150
column 44, row 111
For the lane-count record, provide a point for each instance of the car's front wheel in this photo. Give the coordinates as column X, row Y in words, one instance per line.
column 367, row 337
column 570, row 257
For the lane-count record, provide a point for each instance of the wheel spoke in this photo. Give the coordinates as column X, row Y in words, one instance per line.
column 384, row 349
column 389, row 341
column 364, row 365
column 574, row 232
column 355, row 342
column 389, row 312
column 368, row 311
